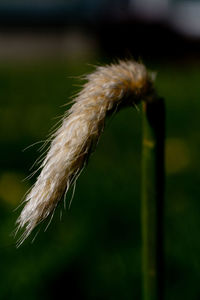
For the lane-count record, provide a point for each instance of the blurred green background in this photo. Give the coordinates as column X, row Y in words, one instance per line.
column 94, row 250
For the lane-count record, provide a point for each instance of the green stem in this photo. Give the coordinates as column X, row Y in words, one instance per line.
column 153, row 198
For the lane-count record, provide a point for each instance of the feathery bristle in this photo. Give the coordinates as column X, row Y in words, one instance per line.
column 107, row 89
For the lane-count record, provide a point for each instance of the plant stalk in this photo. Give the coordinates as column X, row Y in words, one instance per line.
column 153, row 198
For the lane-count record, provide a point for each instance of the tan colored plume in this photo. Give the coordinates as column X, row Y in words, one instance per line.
column 107, row 90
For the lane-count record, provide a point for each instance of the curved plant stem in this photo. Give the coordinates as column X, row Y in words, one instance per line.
column 153, row 198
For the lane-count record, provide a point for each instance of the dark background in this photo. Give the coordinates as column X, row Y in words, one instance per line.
column 94, row 251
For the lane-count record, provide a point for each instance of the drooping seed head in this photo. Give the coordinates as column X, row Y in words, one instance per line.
column 107, row 89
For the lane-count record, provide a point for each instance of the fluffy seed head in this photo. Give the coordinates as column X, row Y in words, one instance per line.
column 107, row 89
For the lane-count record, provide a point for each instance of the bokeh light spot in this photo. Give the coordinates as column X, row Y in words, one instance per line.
column 12, row 188
column 177, row 155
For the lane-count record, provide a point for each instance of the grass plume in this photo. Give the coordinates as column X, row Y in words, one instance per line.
column 108, row 89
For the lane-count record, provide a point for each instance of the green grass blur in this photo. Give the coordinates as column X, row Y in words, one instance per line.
column 94, row 251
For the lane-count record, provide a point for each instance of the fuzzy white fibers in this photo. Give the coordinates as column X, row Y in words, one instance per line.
column 106, row 90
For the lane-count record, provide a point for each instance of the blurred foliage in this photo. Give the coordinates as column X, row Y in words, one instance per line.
column 94, row 251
